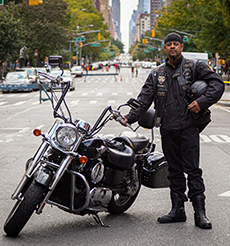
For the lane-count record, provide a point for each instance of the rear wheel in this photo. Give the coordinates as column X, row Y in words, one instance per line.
column 23, row 209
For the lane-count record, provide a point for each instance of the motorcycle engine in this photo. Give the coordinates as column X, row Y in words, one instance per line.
column 97, row 172
column 100, row 196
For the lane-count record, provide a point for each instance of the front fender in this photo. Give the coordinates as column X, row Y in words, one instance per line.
column 43, row 176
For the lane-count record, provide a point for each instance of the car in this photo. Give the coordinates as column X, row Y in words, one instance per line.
column 16, row 81
column 31, row 73
column 66, row 77
column 77, row 71
column 42, row 70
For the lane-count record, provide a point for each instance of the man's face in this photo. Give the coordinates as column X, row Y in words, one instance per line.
column 173, row 49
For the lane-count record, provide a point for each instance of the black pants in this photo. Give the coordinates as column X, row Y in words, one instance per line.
column 182, row 151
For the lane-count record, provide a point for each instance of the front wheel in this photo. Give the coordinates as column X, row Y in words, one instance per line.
column 23, row 209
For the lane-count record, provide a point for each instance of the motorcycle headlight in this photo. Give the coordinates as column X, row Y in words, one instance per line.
column 66, row 135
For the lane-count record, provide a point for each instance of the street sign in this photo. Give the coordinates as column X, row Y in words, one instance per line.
column 1, row 2
column 95, row 45
column 150, row 48
column 79, row 39
column 146, row 51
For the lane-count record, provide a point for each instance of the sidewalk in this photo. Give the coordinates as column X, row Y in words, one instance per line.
column 225, row 99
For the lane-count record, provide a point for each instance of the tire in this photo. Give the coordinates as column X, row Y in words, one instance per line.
column 122, row 202
column 23, row 209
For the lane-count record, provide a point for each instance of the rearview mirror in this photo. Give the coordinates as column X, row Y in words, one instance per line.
column 55, row 61
column 133, row 103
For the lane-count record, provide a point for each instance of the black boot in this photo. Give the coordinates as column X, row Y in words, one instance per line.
column 177, row 214
column 199, row 207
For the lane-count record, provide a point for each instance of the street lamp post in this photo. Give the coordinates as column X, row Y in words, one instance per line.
column 77, row 43
column 70, row 48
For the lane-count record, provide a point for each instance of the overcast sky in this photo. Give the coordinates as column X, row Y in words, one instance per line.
column 127, row 7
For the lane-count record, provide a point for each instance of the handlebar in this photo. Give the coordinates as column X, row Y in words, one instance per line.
column 57, row 79
column 118, row 117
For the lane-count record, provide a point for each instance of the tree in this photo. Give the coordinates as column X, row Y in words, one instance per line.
column 45, row 27
column 119, row 44
column 10, row 36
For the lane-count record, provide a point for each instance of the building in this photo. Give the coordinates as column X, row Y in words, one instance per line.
column 132, row 28
column 116, row 7
column 143, row 6
column 154, row 6
column 143, row 25
column 97, row 4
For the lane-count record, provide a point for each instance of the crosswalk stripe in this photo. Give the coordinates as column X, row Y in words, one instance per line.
column 19, row 103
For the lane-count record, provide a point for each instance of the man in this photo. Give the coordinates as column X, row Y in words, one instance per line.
column 180, row 123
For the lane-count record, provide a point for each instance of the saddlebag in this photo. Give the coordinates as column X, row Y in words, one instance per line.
column 155, row 171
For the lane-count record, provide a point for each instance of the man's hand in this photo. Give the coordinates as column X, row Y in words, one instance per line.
column 194, row 106
column 126, row 121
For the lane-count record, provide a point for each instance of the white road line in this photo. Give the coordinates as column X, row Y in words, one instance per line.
column 19, row 103
column 84, row 94
column 25, row 95
column 73, row 103
column 111, row 102
column 2, row 103
column 129, row 93
column 35, row 103
column 93, row 102
column 227, row 193
column 99, row 94
column 114, row 94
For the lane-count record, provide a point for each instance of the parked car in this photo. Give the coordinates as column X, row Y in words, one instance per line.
column 66, row 77
column 16, row 81
column 43, row 70
column 31, row 73
column 77, row 71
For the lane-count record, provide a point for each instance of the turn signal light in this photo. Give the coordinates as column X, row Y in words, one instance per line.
column 83, row 159
column 37, row 132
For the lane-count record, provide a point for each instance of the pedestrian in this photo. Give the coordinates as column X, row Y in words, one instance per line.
column 136, row 71
column 132, row 70
column 180, row 125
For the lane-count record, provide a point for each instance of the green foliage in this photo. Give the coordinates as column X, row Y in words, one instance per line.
column 119, row 44
column 10, row 36
column 44, row 26
column 207, row 20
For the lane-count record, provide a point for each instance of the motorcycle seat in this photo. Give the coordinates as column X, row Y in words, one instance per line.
column 135, row 140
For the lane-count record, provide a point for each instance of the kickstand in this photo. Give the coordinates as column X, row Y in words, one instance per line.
column 99, row 221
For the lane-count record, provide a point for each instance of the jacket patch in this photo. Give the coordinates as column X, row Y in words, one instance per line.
column 161, row 79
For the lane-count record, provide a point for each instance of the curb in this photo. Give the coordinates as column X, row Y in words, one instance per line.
column 223, row 102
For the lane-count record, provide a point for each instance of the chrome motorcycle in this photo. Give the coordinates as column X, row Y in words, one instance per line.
column 82, row 173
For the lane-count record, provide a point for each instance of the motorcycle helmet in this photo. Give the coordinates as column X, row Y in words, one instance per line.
column 197, row 89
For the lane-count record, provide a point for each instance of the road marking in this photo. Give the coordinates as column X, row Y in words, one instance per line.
column 25, row 95
column 2, row 103
column 111, row 102
column 35, row 103
column 74, row 103
column 19, row 103
column 84, row 94
column 227, row 193
column 99, row 94
column 114, row 94
column 215, row 138
column 93, row 102
column 129, row 93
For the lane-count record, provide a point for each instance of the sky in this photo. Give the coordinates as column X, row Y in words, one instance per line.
column 127, row 7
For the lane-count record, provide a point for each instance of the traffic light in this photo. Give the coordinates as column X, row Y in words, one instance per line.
column 80, row 44
column 99, row 36
column 35, row 2
column 144, row 41
column 109, row 43
column 153, row 33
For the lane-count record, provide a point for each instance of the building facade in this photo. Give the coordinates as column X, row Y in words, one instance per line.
column 116, row 7
column 155, row 6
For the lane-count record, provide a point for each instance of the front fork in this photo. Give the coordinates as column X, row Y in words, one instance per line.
column 30, row 171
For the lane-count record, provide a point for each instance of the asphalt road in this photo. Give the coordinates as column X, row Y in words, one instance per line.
column 20, row 113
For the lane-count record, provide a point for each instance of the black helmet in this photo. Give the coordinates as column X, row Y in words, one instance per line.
column 197, row 89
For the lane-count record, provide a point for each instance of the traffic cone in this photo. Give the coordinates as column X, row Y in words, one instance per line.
column 102, row 69
column 120, row 78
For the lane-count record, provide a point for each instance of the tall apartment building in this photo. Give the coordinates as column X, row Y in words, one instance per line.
column 97, row 4
column 132, row 28
column 154, row 6
column 143, row 6
column 143, row 25
column 116, row 7
column 106, row 11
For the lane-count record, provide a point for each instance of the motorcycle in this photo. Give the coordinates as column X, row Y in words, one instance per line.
column 82, row 173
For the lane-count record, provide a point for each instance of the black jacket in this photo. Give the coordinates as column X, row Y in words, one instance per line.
column 176, row 116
